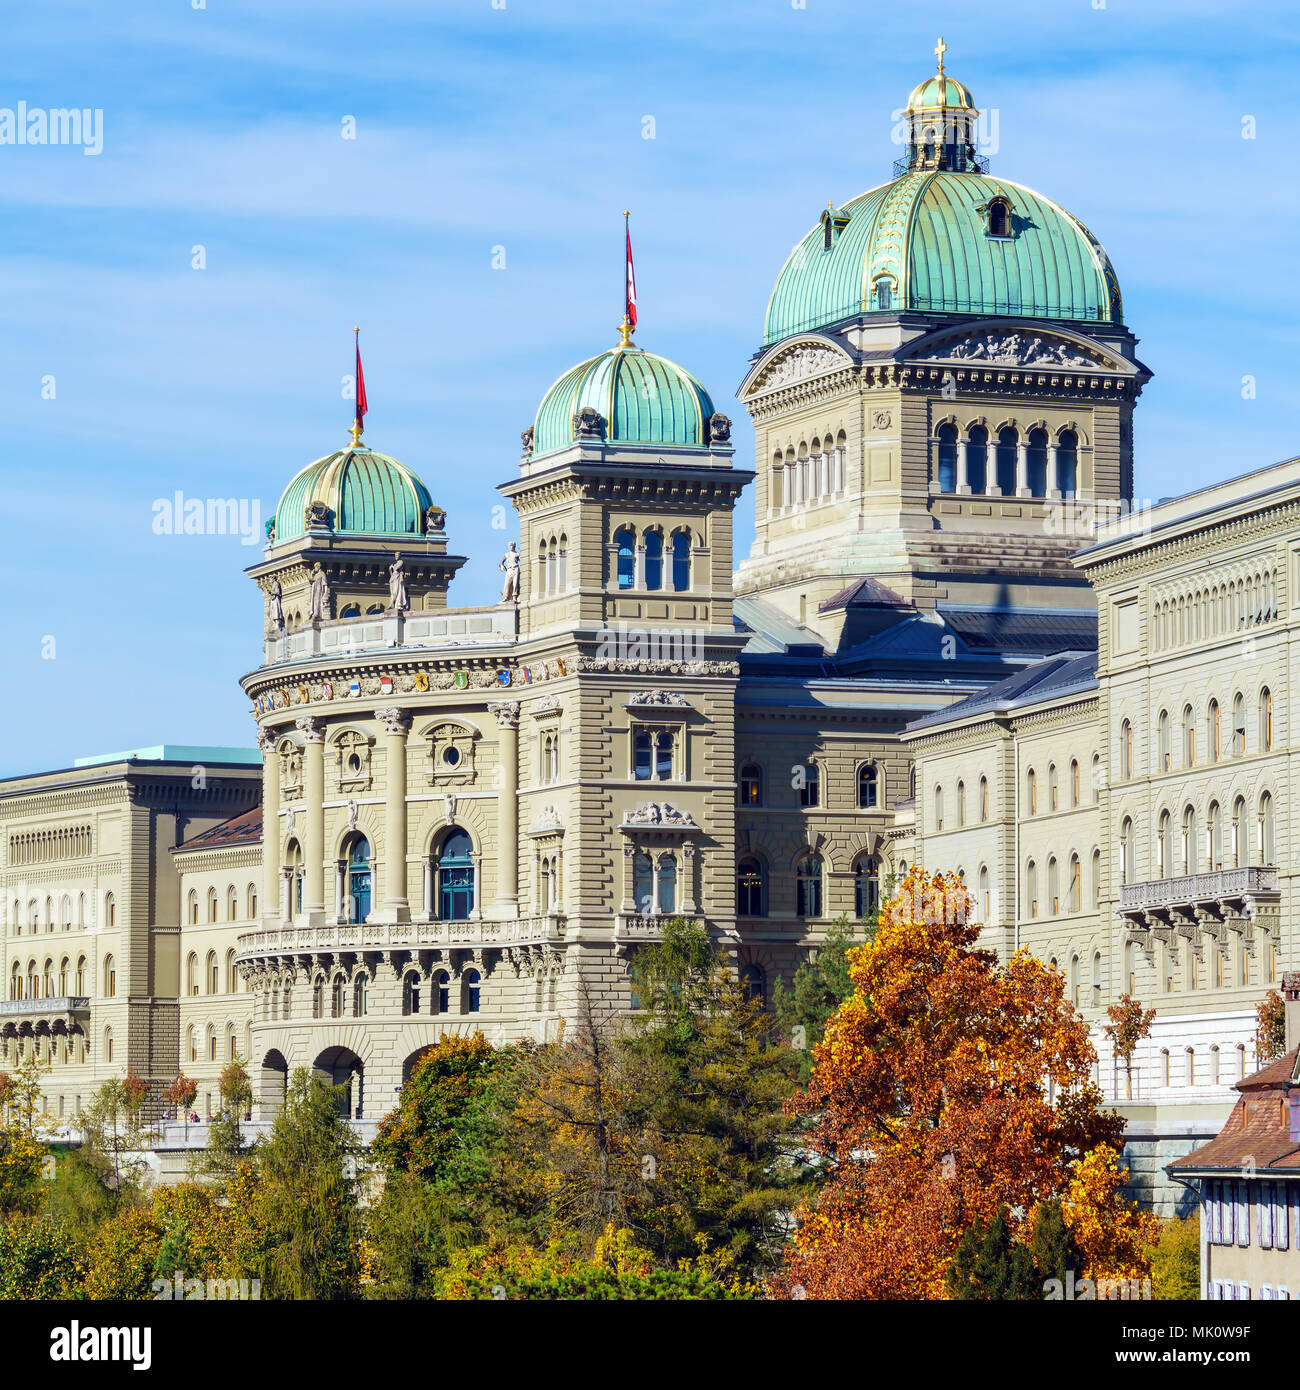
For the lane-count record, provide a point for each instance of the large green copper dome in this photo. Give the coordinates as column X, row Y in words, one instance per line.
column 923, row 243
column 366, row 493
column 640, row 397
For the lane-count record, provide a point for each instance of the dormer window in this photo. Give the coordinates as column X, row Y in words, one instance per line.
column 997, row 213
column 833, row 223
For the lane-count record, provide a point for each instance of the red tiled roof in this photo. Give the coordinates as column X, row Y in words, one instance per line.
column 244, row 829
column 1259, row 1129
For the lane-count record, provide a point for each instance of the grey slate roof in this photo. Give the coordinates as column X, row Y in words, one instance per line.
column 1069, row 673
column 1037, row 632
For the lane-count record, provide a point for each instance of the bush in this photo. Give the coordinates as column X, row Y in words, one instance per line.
column 39, row 1258
column 1176, row 1261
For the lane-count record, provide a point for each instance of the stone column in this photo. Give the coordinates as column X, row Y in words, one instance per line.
column 1053, row 471
column 396, row 905
column 689, row 907
column 638, row 565
column 963, row 476
column 313, row 790
column 271, row 876
column 1022, row 469
column 507, row 717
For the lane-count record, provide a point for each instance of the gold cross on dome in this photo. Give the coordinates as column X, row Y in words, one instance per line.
column 939, row 50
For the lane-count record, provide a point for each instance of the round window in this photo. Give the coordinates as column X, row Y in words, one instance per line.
column 354, row 763
column 451, row 756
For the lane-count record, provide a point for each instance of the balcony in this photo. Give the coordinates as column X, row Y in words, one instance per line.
column 1196, row 906
column 465, row 627
column 63, row 1006
column 548, row 929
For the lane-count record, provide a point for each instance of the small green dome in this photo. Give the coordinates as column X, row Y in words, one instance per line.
column 366, row 493
column 923, row 242
column 940, row 91
column 640, row 397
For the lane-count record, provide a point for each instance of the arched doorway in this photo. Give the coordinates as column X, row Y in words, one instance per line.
column 272, row 1083
column 339, row 1066
column 408, row 1066
column 454, row 889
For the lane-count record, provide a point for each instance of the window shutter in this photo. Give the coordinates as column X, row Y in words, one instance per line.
column 1241, row 1216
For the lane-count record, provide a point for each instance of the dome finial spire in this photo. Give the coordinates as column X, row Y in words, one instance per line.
column 939, row 50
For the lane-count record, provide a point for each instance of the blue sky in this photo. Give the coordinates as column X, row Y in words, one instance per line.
column 521, row 127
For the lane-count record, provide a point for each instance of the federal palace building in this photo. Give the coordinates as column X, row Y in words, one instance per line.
column 958, row 640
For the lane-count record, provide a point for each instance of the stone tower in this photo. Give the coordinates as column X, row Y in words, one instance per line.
column 943, row 397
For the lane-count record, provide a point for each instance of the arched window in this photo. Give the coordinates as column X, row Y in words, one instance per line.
column 192, row 974
column 212, row 904
column 1054, row 886
column 1074, row 781
column 751, row 785
column 1053, row 791
column 1164, row 1066
column 1126, row 749
column 232, row 974
column 1031, row 792
column 1239, row 832
column 110, row 910
column 1214, row 838
column 1096, row 878
column 108, row 1045
column 411, row 993
column 193, row 908
column 961, row 803
column 1067, row 463
column 63, row 978
column 212, row 973
column 454, row 874
column 470, row 986
column 946, row 457
column 294, row 864
column 440, row 992
column 984, row 799
column 110, row 978
column 985, row 896
column 681, row 561
column 337, row 988
column 808, row 887
column 977, row 458
column 625, row 564
column 361, row 995
column 749, row 888
column 1164, row 845
column 251, row 898
column 1189, row 1066
column 356, row 892
column 1265, row 720
column 1188, row 843
column 999, row 219
column 212, row 1043
column 938, row 808
column 667, row 884
column 1166, row 751
column 1074, row 981
column 1214, row 730
column 753, row 980
column 1238, row 725
column 192, row 1041
column 654, row 559
column 1031, row 888
column 1005, row 460
column 866, row 886
column 643, row 883
column 867, row 786
column 1036, row 461
column 810, row 788
column 232, row 904
column 1264, row 830
column 1074, row 891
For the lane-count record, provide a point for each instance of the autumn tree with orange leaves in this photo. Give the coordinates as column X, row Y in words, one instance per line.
column 948, row 1087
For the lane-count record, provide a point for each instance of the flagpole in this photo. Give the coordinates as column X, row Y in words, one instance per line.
column 356, row 389
column 625, row 328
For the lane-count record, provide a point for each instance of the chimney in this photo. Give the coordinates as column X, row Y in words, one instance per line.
column 1291, row 994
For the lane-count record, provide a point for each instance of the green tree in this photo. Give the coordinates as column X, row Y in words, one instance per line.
column 225, row 1144
column 303, row 1222
column 40, row 1258
column 1052, row 1246
column 114, row 1136
column 990, row 1264
column 818, row 987
column 1176, row 1261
